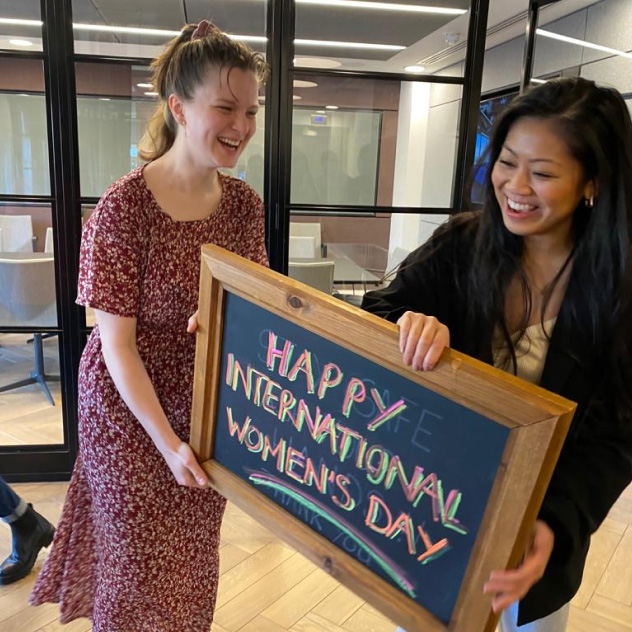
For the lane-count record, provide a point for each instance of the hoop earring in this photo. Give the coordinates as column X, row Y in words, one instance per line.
column 589, row 202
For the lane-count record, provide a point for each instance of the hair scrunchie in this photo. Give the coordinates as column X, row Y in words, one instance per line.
column 203, row 29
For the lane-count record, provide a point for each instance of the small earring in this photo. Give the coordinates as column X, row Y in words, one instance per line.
column 589, row 202
column 184, row 125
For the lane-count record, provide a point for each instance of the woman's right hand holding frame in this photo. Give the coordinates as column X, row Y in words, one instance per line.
column 422, row 340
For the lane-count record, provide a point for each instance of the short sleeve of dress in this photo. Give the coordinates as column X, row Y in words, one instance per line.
column 110, row 265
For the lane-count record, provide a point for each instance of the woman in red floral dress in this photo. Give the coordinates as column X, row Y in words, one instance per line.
column 137, row 545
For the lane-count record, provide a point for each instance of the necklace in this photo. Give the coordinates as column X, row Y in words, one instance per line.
column 543, row 289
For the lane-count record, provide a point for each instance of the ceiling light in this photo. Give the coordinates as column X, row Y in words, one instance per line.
column 415, row 69
column 316, row 62
column 296, row 97
column 145, row 85
column 578, row 42
column 151, row 94
column 307, row 42
column 383, row 6
column 21, row 42
column 104, row 99
column 135, row 30
column 105, row 28
column 331, row 107
column 21, row 22
column 321, row 112
column 262, row 97
column 298, row 83
column 532, row 80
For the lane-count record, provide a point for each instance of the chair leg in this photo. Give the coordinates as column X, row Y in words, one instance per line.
column 20, row 384
column 40, row 379
column 44, row 337
column 38, row 375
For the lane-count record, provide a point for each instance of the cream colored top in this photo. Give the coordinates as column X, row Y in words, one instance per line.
column 531, row 351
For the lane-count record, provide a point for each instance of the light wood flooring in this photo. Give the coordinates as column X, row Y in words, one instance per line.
column 26, row 416
column 265, row 586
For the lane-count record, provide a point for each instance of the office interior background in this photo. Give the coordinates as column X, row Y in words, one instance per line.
column 369, row 129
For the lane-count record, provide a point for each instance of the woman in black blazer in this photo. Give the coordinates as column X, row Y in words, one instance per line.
column 539, row 283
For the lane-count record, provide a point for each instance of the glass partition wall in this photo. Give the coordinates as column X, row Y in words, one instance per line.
column 365, row 133
column 378, row 104
column 36, row 400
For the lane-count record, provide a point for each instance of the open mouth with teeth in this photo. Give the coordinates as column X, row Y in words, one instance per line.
column 519, row 209
column 230, row 143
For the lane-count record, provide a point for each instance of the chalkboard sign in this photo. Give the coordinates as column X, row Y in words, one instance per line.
column 409, row 487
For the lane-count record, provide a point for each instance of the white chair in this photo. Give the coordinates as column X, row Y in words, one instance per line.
column 317, row 274
column 48, row 244
column 303, row 247
column 17, row 233
column 307, row 229
column 27, row 297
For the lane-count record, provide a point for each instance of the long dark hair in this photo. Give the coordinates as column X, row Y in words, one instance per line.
column 595, row 124
column 181, row 68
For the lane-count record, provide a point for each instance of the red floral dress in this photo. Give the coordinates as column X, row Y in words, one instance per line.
column 134, row 551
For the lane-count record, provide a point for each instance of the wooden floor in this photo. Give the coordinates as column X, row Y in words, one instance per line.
column 26, row 416
column 265, row 586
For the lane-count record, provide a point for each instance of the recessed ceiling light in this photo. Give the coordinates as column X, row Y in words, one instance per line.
column 145, row 85
column 537, row 80
column 384, row 6
column 104, row 99
column 415, row 69
column 321, row 112
column 298, row 83
column 21, row 42
column 151, row 94
column 316, row 62
column 296, row 97
column 331, row 107
column 354, row 45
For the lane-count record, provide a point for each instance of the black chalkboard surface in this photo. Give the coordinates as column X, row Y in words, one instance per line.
column 408, row 487
column 392, row 473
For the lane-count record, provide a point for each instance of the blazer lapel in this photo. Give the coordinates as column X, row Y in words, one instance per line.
column 561, row 359
column 565, row 349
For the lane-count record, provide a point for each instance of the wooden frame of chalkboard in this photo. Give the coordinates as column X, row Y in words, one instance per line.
column 534, row 423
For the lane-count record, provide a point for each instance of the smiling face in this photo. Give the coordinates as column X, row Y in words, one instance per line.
column 220, row 118
column 538, row 182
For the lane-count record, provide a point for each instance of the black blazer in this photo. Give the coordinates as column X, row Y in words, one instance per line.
column 595, row 465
